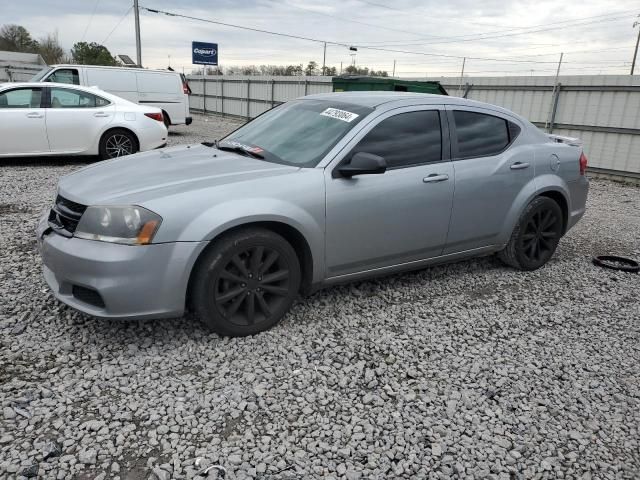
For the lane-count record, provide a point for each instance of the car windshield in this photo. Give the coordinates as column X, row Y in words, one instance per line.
column 297, row 133
column 40, row 75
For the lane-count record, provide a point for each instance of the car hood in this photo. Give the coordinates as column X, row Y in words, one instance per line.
column 160, row 173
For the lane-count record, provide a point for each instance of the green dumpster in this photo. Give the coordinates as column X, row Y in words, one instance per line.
column 360, row 83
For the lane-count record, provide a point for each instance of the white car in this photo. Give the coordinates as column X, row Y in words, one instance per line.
column 59, row 119
column 165, row 89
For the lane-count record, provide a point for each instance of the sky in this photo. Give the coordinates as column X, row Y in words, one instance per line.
column 426, row 38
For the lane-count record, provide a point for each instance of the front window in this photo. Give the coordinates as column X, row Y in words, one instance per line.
column 41, row 74
column 21, row 98
column 65, row 75
column 406, row 139
column 64, row 98
column 297, row 133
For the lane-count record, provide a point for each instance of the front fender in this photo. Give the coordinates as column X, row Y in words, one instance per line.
column 224, row 216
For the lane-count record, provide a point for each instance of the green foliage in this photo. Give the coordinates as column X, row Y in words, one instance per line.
column 15, row 38
column 50, row 49
column 93, row 53
column 353, row 70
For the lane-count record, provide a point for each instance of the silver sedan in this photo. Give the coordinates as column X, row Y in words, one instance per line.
column 324, row 189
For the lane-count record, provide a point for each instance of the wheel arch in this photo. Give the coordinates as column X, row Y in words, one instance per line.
column 166, row 115
column 291, row 234
column 118, row 127
column 558, row 197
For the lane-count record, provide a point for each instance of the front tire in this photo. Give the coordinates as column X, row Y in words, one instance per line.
column 246, row 282
column 536, row 236
column 118, row 143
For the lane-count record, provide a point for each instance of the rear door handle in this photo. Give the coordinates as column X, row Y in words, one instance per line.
column 34, row 115
column 100, row 114
column 434, row 177
column 519, row 166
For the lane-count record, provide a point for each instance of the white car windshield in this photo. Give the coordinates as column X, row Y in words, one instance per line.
column 296, row 133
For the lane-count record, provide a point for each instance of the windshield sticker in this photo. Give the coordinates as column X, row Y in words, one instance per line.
column 248, row 148
column 340, row 114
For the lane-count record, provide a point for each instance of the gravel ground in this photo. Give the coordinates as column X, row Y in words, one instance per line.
column 469, row 370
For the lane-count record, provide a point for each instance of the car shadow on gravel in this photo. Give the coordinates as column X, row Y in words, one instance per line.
column 47, row 161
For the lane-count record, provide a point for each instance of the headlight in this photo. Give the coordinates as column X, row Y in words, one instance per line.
column 130, row 225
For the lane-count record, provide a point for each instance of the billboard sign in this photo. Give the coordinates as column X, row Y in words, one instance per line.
column 203, row 53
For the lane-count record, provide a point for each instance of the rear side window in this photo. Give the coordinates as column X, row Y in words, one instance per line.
column 21, row 98
column 64, row 98
column 405, row 139
column 482, row 135
column 65, row 75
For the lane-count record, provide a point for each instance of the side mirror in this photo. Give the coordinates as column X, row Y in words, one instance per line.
column 363, row 163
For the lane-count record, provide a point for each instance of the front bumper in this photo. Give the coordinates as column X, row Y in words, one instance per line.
column 134, row 282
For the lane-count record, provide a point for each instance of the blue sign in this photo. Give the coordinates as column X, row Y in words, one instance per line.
column 203, row 53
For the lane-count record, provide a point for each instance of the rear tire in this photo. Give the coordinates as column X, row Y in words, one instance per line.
column 118, row 143
column 246, row 282
column 166, row 119
column 536, row 236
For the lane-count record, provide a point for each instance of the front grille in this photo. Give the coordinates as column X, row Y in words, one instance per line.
column 87, row 295
column 65, row 215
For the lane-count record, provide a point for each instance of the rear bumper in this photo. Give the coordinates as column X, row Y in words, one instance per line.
column 133, row 282
column 579, row 191
column 188, row 120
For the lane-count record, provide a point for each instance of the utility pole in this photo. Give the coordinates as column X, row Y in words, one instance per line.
column 394, row 69
column 464, row 60
column 324, row 57
column 136, row 12
column 553, row 94
column 635, row 53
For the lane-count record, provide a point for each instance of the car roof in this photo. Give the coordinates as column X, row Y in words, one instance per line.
column 94, row 90
column 132, row 69
column 376, row 99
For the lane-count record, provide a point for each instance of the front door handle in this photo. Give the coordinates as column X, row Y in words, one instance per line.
column 34, row 115
column 100, row 114
column 434, row 177
column 519, row 166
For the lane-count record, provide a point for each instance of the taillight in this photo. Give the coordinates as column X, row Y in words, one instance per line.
column 185, row 88
column 583, row 164
column 155, row 116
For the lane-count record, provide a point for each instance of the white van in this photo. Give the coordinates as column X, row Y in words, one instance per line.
column 164, row 89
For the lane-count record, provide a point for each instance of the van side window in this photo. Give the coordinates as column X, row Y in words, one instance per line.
column 65, row 75
column 482, row 135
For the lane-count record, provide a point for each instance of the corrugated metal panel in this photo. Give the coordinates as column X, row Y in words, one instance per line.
column 590, row 102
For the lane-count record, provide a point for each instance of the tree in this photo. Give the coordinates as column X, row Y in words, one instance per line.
column 312, row 68
column 93, row 53
column 50, row 49
column 15, row 38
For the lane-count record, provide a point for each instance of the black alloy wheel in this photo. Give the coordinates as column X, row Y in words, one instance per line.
column 541, row 235
column 246, row 282
column 536, row 236
column 252, row 285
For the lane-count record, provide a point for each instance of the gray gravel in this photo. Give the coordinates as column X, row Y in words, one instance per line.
column 470, row 370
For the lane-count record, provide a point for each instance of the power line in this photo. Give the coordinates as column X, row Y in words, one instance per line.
column 118, row 24
column 329, row 42
column 95, row 7
column 514, row 34
column 617, row 14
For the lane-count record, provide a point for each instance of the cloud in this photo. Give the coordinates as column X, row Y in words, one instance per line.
column 489, row 29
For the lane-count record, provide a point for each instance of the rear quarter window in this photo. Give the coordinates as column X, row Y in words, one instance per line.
column 482, row 135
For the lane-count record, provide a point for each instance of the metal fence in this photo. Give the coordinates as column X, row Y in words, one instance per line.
column 602, row 110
